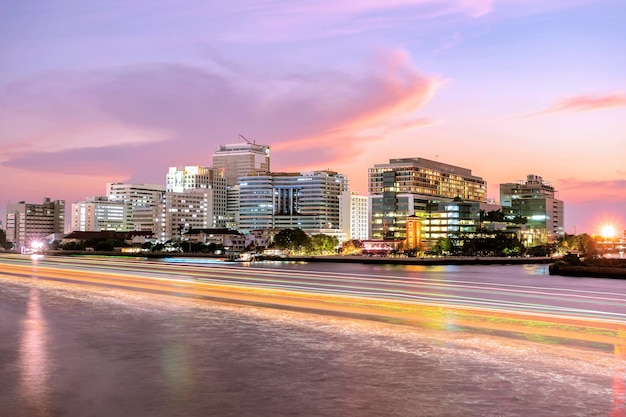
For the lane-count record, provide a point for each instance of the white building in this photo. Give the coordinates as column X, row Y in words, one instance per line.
column 305, row 200
column 27, row 223
column 354, row 215
column 140, row 200
column 95, row 214
column 241, row 159
column 184, row 211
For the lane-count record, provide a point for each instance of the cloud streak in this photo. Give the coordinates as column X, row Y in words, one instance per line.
column 581, row 103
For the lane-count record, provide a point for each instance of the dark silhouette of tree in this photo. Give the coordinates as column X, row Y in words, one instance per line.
column 293, row 239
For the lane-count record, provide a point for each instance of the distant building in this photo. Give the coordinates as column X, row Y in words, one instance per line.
column 200, row 185
column 304, row 200
column 538, row 201
column 240, row 160
column 179, row 212
column 27, row 223
column 99, row 213
column 405, row 186
column 354, row 215
column 140, row 200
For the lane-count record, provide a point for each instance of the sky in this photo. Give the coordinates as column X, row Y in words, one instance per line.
column 118, row 91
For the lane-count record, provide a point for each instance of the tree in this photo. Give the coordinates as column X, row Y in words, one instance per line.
column 324, row 244
column 586, row 244
column 295, row 240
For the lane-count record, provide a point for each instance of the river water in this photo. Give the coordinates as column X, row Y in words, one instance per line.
column 67, row 350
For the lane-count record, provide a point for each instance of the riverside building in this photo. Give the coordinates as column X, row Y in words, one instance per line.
column 29, row 223
column 139, row 199
column 96, row 214
column 305, row 200
column 195, row 198
column 405, row 186
column 537, row 201
column 239, row 160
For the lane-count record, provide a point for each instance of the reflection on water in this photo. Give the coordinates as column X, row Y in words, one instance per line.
column 33, row 358
column 619, row 380
column 176, row 369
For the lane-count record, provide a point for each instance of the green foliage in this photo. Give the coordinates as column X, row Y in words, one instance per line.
column 324, row 244
column 295, row 240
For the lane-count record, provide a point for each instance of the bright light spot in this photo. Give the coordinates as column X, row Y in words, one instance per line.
column 37, row 245
column 608, row 231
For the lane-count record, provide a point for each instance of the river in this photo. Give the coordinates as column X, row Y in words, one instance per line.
column 69, row 350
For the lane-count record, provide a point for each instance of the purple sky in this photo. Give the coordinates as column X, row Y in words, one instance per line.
column 94, row 92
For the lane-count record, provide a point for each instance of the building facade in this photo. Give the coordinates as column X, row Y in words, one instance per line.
column 537, row 201
column 96, row 214
column 140, row 200
column 305, row 200
column 405, row 186
column 27, row 223
column 354, row 215
column 180, row 212
column 241, row 160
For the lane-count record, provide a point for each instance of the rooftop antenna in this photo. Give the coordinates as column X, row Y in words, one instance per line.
column 253, row 142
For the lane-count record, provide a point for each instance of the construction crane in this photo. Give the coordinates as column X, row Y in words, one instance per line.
column 247, row 140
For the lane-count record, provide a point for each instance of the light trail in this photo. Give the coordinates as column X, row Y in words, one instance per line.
column 602, row 311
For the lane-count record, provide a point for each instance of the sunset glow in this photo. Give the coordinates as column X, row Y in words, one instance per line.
column 608, row 231
column 91, row 93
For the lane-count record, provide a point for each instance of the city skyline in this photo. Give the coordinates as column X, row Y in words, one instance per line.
column 90, row 94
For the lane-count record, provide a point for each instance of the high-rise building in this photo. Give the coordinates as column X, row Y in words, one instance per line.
column 354, row 215
column 537, row 201
column 95, row 214
column 304, row 200
column 406, row 185
column 28, row 223
column 241, row 159
column 190, row 182
column 140, row 200
column 180, row 212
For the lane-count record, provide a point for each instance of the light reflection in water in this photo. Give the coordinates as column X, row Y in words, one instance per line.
column 619, row 379
column 33, row 358
column 175, row 367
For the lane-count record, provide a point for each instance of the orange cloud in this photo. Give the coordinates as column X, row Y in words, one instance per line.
column 585, row 103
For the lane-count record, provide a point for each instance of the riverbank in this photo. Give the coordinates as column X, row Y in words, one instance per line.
column 588, row 271
column 443, row 260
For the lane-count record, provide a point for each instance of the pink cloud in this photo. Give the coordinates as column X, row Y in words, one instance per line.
column 585, row 103
column 133, row 122
column 572, row 189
